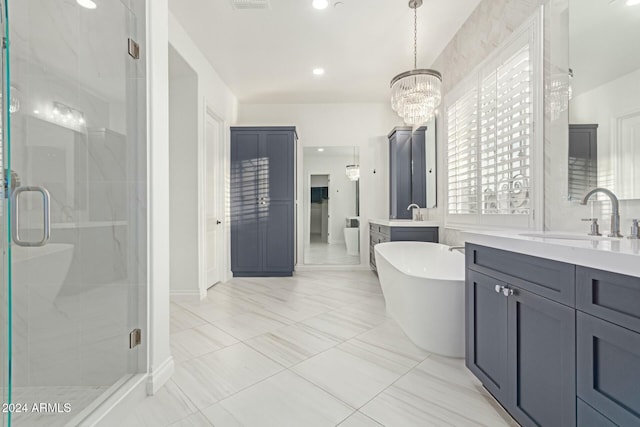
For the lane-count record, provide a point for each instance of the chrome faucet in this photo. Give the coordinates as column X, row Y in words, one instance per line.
column 413, row 206
column 615, row 208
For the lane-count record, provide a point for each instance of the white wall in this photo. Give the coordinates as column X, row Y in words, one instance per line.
column 342, row 192
column 213, row 95
column 183, row 170
column 362, row 125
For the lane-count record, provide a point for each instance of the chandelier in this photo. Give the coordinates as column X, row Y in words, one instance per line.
column 416, row 94
column 353, row 171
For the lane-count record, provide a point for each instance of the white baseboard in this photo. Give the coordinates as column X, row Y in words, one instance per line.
column 194, row 293
column 119, row 405
column 160, row 376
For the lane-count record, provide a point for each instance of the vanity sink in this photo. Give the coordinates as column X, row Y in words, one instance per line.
column 559, row 236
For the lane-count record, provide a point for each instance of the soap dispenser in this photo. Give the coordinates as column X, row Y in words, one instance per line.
column 635, row 230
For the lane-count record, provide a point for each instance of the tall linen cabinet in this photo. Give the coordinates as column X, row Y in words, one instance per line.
column 263, row 173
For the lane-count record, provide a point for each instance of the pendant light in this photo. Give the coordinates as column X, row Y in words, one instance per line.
column 416, row 94
column 353, row 171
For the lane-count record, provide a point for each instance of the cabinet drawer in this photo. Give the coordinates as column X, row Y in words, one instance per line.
column 610, row 296
column 608, row 368
column 551, row 279
column 589, row 417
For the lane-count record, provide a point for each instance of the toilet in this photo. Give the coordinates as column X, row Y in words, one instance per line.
column 352, row 236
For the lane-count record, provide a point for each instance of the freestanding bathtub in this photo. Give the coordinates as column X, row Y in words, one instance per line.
column 423, row 287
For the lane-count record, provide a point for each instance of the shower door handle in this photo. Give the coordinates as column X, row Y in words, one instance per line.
column 15, row 211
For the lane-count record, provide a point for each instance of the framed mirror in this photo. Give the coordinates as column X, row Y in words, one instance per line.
column 604, row 106
column 331, row 205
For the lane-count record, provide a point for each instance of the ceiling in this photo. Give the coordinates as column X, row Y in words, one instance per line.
column 267, row 56
column 603, row 41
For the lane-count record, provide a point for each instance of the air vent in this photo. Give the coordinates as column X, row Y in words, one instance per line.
column 250, row 4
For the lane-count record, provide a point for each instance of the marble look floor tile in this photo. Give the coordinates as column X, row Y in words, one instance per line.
column 284, row 400
column 195, row 342
column 358, row 419
column 182, row 319
column 217, row 375
column 168, row 405
column 389, row 340
column 194, row 420
column 340, row 325
column 293, row 344
column 420, row 398
column 254, row 323
column 350, row 373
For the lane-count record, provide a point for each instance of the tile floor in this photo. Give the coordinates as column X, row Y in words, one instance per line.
column 320, row 253
column 314, row 350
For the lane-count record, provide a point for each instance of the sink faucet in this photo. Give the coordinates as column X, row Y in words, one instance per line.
column 413, row 206
column 615, row 208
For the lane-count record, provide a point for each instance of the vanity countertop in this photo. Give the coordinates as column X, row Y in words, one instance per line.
column 404, row 223
column 615, row 255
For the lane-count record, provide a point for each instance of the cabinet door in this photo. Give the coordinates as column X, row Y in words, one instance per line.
column 541, row 360
column 609, row 369
column 245, row 170
column 276, row 186
column 400, row 174
column 486, row 352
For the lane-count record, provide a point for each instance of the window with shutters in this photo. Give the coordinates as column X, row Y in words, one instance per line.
column 494, row 138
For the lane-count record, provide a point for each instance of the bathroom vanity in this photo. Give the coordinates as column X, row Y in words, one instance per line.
column 553, row 326
column 381, row 231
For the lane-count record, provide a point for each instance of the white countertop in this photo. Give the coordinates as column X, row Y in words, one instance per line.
column 404, row 223
column 616, row 255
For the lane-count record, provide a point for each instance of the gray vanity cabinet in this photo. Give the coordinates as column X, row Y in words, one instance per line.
column 608, row 343
column 407, row 171
column 262, row 200
column 384, row 233
column 486, row 337
column 520, row 343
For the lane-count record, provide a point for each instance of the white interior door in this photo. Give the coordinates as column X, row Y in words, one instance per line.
column 213, row 211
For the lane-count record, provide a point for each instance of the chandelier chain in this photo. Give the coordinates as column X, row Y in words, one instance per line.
column 415, row 37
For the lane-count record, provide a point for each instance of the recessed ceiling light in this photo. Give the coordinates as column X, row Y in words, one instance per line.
column 320, row 4
column 633, row 2
column 88, row 4
column 318, row 71
column 321, row 149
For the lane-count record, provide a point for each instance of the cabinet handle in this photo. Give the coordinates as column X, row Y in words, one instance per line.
column 499, row 288
column 507, row 292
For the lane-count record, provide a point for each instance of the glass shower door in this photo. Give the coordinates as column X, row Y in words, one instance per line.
column 75, row 214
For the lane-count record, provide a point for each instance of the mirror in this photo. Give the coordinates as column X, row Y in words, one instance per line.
column 431, row 164
column 331, row 205
column 604, row 107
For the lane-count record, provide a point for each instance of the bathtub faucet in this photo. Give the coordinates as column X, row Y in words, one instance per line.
column 415, row 215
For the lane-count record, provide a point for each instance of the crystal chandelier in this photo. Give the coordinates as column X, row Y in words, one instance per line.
column 559, row 93
column 416, row 94
column 353, row 171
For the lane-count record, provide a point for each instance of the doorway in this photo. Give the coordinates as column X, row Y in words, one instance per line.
column 213, row 209
column 319, row 209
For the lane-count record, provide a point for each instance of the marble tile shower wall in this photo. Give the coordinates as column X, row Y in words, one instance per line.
column 491, row 23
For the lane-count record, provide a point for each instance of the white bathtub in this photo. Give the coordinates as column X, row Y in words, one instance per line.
column 423, row 286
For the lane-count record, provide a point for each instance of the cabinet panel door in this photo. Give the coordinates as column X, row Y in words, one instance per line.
column 589, row 417
column 541, row 359
column 277, row 181
column 609, row 369
column 486, row 331
column 278, row 237
column 400, row 175
column 245, row 160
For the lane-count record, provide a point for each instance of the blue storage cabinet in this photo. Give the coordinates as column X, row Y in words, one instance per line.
column 262, row 201
column 407, row 171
